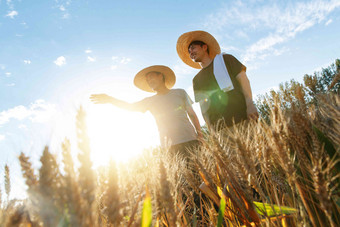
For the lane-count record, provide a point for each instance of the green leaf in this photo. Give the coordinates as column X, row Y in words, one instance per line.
column 221, row 212
column 147, row 212
column 267, row 209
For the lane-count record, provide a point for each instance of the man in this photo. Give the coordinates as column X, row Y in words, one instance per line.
column 232, row 104
column 170, row 108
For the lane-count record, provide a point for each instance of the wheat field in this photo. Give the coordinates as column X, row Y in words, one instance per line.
column 282, row 170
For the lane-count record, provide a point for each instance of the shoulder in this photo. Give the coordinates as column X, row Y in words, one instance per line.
column 144, row 104
column 235, row 65
column 178, row 91
column 182, row 95
column 148, row 99
column 229, row 57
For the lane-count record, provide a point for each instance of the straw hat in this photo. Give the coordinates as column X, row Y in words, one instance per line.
column 140, row 78
column 184, row 41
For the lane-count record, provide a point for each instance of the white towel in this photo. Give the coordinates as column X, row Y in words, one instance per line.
column 221, row 74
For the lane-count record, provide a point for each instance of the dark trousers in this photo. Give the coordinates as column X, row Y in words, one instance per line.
column 184, row 150
column 188, row 151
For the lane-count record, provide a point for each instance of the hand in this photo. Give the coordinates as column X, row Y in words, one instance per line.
column 101, row 98
column 252, row 111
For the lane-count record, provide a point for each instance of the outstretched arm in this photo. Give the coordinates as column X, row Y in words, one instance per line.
column 106, row 99
column 194, row 119
column 246, row 89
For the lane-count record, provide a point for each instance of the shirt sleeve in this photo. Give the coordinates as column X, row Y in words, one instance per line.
column 141, row 106
column 233, row 65
column 186, row 98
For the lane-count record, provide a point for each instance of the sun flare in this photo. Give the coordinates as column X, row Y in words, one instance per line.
column 119, row 134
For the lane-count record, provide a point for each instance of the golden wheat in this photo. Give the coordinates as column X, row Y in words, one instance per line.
column 289, row 159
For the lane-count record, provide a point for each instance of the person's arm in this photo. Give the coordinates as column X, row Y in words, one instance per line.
column 106, row 99
column 246, row 90
column 194, row 119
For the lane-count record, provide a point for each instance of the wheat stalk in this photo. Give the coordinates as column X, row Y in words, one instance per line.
column 7, row 182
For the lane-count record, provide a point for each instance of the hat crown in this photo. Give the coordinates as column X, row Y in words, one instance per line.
column 140, row 78
column 187, row 38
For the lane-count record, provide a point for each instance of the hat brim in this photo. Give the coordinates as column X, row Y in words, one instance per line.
column 184, row 41
column 140, row 78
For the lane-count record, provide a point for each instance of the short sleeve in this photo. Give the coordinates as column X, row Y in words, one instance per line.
column 233, row 65
column 186, row 98
column 141, row 106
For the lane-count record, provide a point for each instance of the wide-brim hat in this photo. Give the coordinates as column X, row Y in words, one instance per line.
column 140, row 78
column 184, row 41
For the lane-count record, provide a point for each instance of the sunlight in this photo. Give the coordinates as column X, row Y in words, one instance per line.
column 119, row 134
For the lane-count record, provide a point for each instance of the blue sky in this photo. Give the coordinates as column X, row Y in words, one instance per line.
column 54, row 54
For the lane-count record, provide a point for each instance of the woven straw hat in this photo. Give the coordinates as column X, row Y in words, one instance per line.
column 140, row 78
column 184, row 41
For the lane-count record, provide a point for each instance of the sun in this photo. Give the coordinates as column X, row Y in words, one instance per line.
column 119, row 134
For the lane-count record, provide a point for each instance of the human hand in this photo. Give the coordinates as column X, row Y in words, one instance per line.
column 252, row 111
column 101, row 98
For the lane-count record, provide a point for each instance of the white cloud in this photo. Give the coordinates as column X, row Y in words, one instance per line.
column 125, row 60
column 228, row 48
column 22, row 126
column 24, row 24
column 279, row 52
column 27, row 62
column 18, row 112
column 2, row 137
column 328, row 22
column 66, row 16
column 60, row 61
column 10, row 85
column 90, row 59
column 88, row 51
column 12, row 14
column 119, row 61
column 62, row 6
column 2, row 67
column 9, row 3
column 8, row 74
column 39, row 111
column 275, row 24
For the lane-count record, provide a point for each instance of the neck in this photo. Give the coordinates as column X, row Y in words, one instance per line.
column 162, row 90
column 206, row 61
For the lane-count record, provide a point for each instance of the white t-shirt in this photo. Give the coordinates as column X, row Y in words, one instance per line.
column 169, row 111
